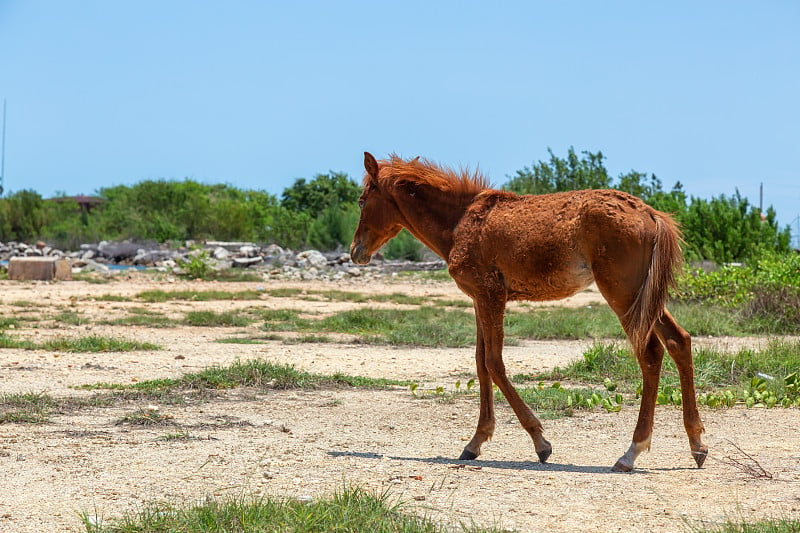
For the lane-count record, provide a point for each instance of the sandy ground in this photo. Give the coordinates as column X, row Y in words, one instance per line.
column 309, row 443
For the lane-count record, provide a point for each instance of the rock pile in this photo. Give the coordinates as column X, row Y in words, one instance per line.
column 271, row 261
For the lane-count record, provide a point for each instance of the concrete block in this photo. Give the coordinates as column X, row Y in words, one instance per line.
column 39, row 268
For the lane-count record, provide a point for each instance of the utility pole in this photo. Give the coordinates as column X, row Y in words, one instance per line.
column 3, row 152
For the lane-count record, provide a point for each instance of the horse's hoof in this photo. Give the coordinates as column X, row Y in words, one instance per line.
column 619, row 466
column 544, row 455
column 467, row 455
column 700, row 456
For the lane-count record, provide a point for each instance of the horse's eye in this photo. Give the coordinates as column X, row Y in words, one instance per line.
column 361, row 204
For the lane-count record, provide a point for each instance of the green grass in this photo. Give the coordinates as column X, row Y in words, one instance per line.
column 284, row 292
column 591, row 322
column 310, row 338
column 434, row 326
column 352, row 510
column 97, row 343
column 425, row 326
column 249, row 340
column 777, row 525
column 7, row 341
column 466, row 304
column 766, row 377
column 555, row 401
column 425, row 275
column 157, row 296
column 26, row 304
column 213, row 319
column 254, row 373
column 151, row 320
column 8, row 322
column 176, row 436
column 90, row 344
column 72, row 318
column 282, row 320
column 111, row 298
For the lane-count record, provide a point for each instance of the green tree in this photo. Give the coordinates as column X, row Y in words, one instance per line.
column 22, row 216
column 726, row 229
column 557, row 175
column 334, row 188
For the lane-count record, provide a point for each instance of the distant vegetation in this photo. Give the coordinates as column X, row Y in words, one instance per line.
column 322, row 213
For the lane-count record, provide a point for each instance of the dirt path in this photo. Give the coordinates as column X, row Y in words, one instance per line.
column 310, row 443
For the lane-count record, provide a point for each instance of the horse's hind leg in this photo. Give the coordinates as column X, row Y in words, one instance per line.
column 485, row 428
column 650, row 363
column 679, row 346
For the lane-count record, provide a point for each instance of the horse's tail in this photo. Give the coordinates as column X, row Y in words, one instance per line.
column 652, row 297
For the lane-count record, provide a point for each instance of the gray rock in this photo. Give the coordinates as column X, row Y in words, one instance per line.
column 244, row 262
column 221, row 253
column 311, row 258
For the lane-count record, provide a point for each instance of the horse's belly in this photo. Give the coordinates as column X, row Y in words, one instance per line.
column 546, row 282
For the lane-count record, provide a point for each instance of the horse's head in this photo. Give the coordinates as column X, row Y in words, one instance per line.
column 380, row 218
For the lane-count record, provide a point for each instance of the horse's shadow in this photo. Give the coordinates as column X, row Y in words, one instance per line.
column 532, row 466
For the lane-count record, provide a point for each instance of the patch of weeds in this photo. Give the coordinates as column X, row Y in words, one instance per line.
column 464, row 304
column 774, row 525
column 111, row 298
column 72, row 318
column 213, row 319
column 555, row 401
column 28, row 407
column 148, row 416
column 399, row 298
column 443, row 395
column 7, row 322
column 197, row 265
column 26, row 304
column 309, row 339
column 91, row 277
column 284, row 292
column 425, row 275
column 6, row 341
column 333, row 403
column 236, row 275
column 342, row 296
column 176, row 436
column 249, row 340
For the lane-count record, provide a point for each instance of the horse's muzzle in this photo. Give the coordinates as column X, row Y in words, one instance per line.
column 359, row 255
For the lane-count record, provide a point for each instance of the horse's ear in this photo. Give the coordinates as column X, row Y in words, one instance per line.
column 371, row 165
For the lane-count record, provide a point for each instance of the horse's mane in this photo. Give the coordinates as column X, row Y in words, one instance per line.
column 398, row 171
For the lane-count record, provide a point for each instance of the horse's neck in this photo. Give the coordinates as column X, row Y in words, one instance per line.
column 431, row 216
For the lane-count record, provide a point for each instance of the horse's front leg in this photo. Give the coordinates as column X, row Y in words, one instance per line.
column 490, row 311
column 485, row 428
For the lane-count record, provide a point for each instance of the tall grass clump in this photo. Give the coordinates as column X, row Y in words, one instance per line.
column 351, row 510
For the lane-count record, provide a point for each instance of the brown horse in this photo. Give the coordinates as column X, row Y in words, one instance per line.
column 500, row 246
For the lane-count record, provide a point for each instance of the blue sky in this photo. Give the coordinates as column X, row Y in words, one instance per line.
column 256, row 94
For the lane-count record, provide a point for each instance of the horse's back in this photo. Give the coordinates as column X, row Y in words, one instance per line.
column 547, row 246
